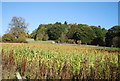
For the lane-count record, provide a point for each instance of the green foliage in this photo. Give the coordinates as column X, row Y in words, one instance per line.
column 111, row 34
column 18, row 27
column 63, row 38
column 40, row 33
column 17, row 31
column 65, row 22
column 33, row 34
column 8, row 37
column 50, row 61
column 71, row 41
column 0, row 39
column 116, row 41
column 81, row 32
column 45, row 37
column 21, row 39
column 49, row 31
column 86, row 34
column 38, row 37
column 12, row 38
column 99, row 37
column 98, row 41
column 55, row 31
column 72, row 30
column 79, row 41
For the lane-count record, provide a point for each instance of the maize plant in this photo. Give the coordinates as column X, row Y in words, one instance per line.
column 53, row 61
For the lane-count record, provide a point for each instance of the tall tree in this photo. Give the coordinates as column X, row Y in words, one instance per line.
column 112, row 35
column 99, row 38
column 65, row 22
column 18, row 27
column 55, row 31
column 80, row 32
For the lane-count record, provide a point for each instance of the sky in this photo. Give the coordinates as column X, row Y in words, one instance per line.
column 60, row 0
column 104, row 14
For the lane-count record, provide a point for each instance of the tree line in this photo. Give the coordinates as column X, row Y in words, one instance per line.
column 64, row 33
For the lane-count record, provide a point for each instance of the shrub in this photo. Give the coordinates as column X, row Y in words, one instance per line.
column 12, row 39
column 38, row 37
column 116, row 41
column 71, row 41
column 79, row 42
column 8, row 38
column 45, row 37
column 63, row 38
column 0, row 39
column 20, row 40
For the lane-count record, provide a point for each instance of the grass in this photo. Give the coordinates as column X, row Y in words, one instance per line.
column 54, row 61
column 87, row 46
column 38, row 42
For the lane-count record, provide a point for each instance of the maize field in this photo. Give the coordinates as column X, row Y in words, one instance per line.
column 54, row 61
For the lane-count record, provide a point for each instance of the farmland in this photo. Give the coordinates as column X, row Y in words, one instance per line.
column 46, row 41
column 54, row 61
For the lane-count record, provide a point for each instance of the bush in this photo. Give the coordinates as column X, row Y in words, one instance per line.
column 0, row 39
column 45, row 37
column 12, row 39
column 8, row 38
column 63, row 38
column 112, row 35
column 38, row 37
column 20, row 40
column 98, row 41
column 71, row 41
column 79, row 42
column 116, row 41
